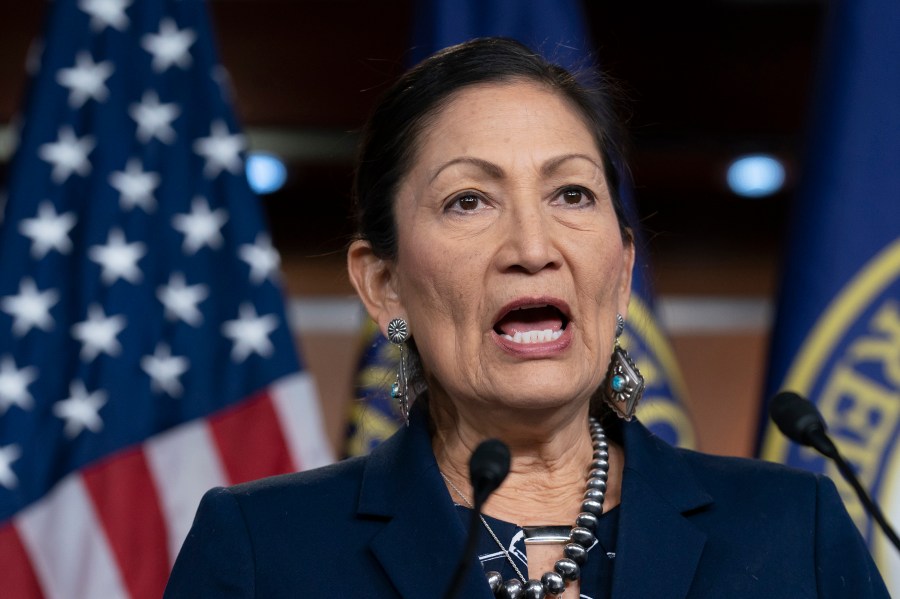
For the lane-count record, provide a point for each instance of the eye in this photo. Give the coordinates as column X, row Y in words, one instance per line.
column 466, row 202
column 575, row 196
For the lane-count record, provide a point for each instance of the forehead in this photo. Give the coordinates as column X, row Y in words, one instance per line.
column 498, row 116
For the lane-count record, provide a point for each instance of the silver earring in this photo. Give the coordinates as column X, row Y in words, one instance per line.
column 624, row 384
column 398, row 333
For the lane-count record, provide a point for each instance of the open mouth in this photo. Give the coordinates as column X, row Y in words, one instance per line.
column 532, row 324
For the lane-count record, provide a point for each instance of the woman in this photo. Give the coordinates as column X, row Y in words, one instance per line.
column 493, row 248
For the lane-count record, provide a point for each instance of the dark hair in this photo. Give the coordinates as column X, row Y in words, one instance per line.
column 390, row 138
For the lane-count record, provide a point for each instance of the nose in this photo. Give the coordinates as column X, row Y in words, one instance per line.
column 528, row 243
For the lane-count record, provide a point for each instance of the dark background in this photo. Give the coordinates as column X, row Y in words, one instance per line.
column 705, row 81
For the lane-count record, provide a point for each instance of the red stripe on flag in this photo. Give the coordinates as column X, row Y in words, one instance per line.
column 250, row 440
column 124, row 494
column 19, row 580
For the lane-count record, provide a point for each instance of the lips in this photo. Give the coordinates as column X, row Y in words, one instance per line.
column 532, row 321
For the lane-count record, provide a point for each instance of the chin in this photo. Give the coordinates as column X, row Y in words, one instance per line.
column 537, row 392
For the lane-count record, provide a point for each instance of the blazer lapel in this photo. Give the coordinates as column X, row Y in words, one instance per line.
column 658, row 549
column 423, row 537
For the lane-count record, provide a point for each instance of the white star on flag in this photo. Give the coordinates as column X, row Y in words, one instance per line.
column 68, row 154
column 14, row 385
column 48, row 230
column 221, row 150
column 250, row 333
column 135, row 186
column 106, row 13
column 98, row 333
column 169, row 46
column 87, row 79
column 154, row 119
column 164, row 370
column 201, row 227
column 81, row 410
column 180, row 300
column 117, row 258
column 30, row 308
column 8, row 455
column 262, row 258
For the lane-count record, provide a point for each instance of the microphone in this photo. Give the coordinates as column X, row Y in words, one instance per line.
column 802, row 423
column 488, row 468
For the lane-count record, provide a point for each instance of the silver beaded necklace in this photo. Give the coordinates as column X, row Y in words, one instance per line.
column 581, row 537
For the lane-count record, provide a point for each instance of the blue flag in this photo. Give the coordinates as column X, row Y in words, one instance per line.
column 144, row 351
column 556, row 29
column 837, row 335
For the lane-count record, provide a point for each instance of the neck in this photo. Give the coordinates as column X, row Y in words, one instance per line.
column 550, row 450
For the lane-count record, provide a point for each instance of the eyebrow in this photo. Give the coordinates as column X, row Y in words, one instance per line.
column 552, row 165
column 495, row 172
column 491, row 169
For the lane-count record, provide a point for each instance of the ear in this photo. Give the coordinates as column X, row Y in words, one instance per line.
column 627, row 272
column 375, row 283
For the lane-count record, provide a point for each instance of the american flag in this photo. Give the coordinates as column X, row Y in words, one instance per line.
column 144, row 352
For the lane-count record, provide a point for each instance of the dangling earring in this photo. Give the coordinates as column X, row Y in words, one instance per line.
column 624, row 384
column 398, row 333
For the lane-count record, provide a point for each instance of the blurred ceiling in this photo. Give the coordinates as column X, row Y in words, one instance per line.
column 706, row 81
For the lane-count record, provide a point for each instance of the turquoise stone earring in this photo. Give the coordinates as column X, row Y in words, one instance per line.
column 624, row 384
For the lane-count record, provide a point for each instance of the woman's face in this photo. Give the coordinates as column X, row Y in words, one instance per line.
column 510, row 266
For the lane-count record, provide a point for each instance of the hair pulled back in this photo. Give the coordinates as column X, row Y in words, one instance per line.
column 392, row 135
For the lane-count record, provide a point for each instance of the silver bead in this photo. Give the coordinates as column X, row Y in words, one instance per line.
column 568, row 569
column 534, row 590
column 512, row 589
column 593, row 506
column 582, row 536
column 599, row 464
column 494, row 579
column 596, row 483
column 596, row 494
column 576, row 553
column 602, row 454
column 586, row 520
column 553, row 583
column 598, row 473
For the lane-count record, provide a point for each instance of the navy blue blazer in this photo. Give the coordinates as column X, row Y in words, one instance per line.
column 691, row 526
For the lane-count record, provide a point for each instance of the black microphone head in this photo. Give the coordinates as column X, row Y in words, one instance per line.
column 796, row 417
column 488, row 467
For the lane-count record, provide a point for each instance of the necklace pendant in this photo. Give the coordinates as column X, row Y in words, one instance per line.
column 546, row 535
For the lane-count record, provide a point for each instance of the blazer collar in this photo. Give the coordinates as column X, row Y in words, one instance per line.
column 421, row 542
column 658, row 549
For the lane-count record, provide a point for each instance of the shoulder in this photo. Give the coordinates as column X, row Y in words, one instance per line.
column 331, row 486
column 716, row 467
column 767, row 485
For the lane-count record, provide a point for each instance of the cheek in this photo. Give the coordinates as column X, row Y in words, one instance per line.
column 599, row 274
column 436, row 288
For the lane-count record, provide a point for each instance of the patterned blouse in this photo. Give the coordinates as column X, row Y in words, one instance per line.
column 596, row 574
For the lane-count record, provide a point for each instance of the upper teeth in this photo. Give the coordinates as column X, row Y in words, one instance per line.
column 534, row 336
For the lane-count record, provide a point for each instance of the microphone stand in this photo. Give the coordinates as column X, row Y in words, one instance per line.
column 488, row 467
column 847, row 472
column 462, row 568
column 802, row 423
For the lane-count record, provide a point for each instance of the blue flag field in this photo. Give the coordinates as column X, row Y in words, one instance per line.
column 837, row 336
